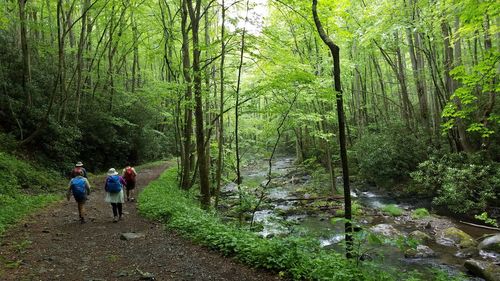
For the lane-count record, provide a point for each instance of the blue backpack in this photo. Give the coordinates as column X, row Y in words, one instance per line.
column 78, row 188
column 113, row 184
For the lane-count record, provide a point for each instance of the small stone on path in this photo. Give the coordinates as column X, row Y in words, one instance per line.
column 131, row 235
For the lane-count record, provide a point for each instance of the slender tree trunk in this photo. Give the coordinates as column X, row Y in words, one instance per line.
column 194, row 14
column 135, row 63
column 491, row 94
column 334, row 49
column 26, row 77
column 188, row 113
column 407, row 107
column 236, row 109
column 220, row 155
column 79, row 57
column 418, row 76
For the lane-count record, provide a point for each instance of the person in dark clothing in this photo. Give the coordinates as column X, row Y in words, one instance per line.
column 77, row 169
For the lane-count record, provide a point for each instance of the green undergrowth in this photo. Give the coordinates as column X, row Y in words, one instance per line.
column 24, row 188
column 14, row 208
column 296, row 258
column 393, row 210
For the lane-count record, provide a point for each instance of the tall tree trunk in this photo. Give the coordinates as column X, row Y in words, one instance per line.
column 194, row 15
column 220, row 155
column 236, row 109
column 26, row 77
column 335, row 51
column 79, row 57
column 401, row 75
column 419, row 77
column 188, row 112
column 135, row 63
column 491, row 94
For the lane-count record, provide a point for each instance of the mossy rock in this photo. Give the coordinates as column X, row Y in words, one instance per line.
column 484, row 269
column 420, row 236
column 459, row 238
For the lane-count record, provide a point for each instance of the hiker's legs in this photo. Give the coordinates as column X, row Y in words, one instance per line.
column 81, row 210
column 115, row 209
column 128, row 194
column 120, row 213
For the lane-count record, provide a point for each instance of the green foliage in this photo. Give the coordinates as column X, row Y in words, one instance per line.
column 24, row 188
column 389, row 155
column 18, row 175
column 393, row 210
column 294, row 257
column 476, row 86
column 420, row 213
column 464, row 183
column 356, row 210
column 13, row 208
column 484, row 217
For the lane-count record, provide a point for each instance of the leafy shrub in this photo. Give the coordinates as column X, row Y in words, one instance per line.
column 296, row 257
column 389, row 155
column 461, row 182
column 356, row 210
column 393, row 210
column 484, row 217
column 16, row 174
column 420, row 213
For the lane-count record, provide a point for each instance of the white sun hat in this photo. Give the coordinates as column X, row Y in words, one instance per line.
column 112, row 172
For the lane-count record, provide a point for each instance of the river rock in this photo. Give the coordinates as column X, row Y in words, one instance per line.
column 484, row 269
column 230, row 188
column 453, row 236
column 467, row 253
column 421, row 236
column 131, row 235
column 491, row 244
column 421, row 251
column 385, row 230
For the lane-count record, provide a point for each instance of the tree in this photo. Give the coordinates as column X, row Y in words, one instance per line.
column 335, row 51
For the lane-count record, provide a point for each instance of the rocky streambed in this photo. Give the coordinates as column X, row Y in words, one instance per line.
column 296, row 203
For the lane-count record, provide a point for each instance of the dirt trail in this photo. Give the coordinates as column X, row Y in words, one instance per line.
column 53, row 245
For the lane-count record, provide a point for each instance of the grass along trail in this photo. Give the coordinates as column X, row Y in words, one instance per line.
column 53, row 245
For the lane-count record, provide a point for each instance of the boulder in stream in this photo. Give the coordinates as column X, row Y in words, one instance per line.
column 421, row 251
column 467, row 253
column 491, row 244
column 420, row 236
column 453, row 236
column 385, row 230
column 484, row 269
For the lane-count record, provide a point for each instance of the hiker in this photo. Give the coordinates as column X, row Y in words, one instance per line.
column 77, row 169
column 114, row 193
column 80, row 188
column 129, row 175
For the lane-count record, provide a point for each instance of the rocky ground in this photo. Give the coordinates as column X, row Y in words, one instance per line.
column 53, row 245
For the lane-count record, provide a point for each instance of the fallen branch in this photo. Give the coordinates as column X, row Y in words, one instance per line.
column 480, row 226
column 328, row 198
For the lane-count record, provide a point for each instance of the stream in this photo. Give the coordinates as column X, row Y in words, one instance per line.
column 288, row 209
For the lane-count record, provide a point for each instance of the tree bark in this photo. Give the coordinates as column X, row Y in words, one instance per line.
column 26, row 77
column 188, row 112
column 220, row 155
column 236, row 109
column 194, row 15
column 79, row 57
column 335, row 51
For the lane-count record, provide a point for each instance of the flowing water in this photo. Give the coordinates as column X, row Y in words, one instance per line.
column 281, row 198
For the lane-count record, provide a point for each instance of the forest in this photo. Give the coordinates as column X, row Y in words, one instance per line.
column 350, row 129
